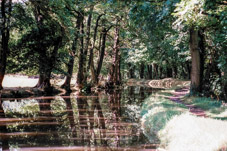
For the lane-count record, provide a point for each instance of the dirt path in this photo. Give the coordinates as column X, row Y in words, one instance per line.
column 178, row 94
column 192, row 108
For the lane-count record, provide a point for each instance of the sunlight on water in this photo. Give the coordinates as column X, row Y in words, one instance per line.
column 103, row 121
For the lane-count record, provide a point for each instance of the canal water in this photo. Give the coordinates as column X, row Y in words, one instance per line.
column 100, row 121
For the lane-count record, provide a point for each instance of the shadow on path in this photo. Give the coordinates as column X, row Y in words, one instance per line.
column 178, row 94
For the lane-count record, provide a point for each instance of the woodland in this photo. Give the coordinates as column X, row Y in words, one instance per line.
column 114, row 40
column 113, row 75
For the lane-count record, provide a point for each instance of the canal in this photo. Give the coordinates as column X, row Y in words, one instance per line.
column 100, row 121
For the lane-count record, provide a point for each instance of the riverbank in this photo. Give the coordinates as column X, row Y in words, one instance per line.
column 178, row 122
column 21, row 86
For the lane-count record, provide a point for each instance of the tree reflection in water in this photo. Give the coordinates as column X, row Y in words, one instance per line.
column 70, row 116
column 107, row 120
column 3, row 143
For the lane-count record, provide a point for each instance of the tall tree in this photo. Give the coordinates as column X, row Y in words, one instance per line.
column 196, row 61
column 48, row 40
column 6, row 9
column 114, row 72
column 72, row 53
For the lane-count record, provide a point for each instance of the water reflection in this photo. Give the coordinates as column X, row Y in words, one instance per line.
column 105, row 120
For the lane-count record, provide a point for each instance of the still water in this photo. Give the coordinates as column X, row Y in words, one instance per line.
column 101, row 121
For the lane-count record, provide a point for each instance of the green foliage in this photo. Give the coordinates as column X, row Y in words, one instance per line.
column 190, row 13
column 58, row 106
column 152, row 33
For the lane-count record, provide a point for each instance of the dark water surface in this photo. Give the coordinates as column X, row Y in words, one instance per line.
column 102, row 121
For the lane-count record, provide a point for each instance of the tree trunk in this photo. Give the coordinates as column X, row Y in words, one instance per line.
column 119, row 69
column 142, row 70
column 91, row 61
column 131, row 70
column 202, row 59
column 47, row 65
column 174, row 71
column 102, row 51
column 196, row 62
column 169, row 72
column 44, row 72
column 70, row 65
column 80, row 74
column 149, row 69
column 87, row 43
column 155, row 66
column 44, row 78
column 40, row 49
column 160, row 69
column 188, row 70
column 114, row 72
column 101, row 55
column 6, row 8
column 117, row 73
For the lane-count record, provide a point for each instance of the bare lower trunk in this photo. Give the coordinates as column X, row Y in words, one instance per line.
column 142, row 70
column 6, row 8
column 87, row 43
column 155, row 66
column 201, row 46
column 2, row 68
column 70, row 65
column 67, row 82
column 114, row 73
column 131, row 70
column 188, row 70
column 91, row 57
column 196, row 66
column 46, row 66
column 160, row 69
column 41, row 81
column 44, row 81
column 101, row 56
column 169, row 72
column 1, row 80
column 80, row 74
column 149, row 69
column 174, row 70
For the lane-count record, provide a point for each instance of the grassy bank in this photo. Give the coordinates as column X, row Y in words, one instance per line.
column 172, row 125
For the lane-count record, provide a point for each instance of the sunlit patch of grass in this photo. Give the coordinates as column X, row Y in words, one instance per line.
column 162, row 123
column 156, row 112
column 190, row 133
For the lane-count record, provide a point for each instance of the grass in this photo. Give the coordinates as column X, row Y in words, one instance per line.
column 190, row 133
column 213, row 108
column 156, row 112
column 176, row 129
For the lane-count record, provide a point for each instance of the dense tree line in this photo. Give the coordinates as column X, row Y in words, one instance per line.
column 150, row 39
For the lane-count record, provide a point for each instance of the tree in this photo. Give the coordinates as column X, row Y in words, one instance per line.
column 6, row 9
column 194, row 15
